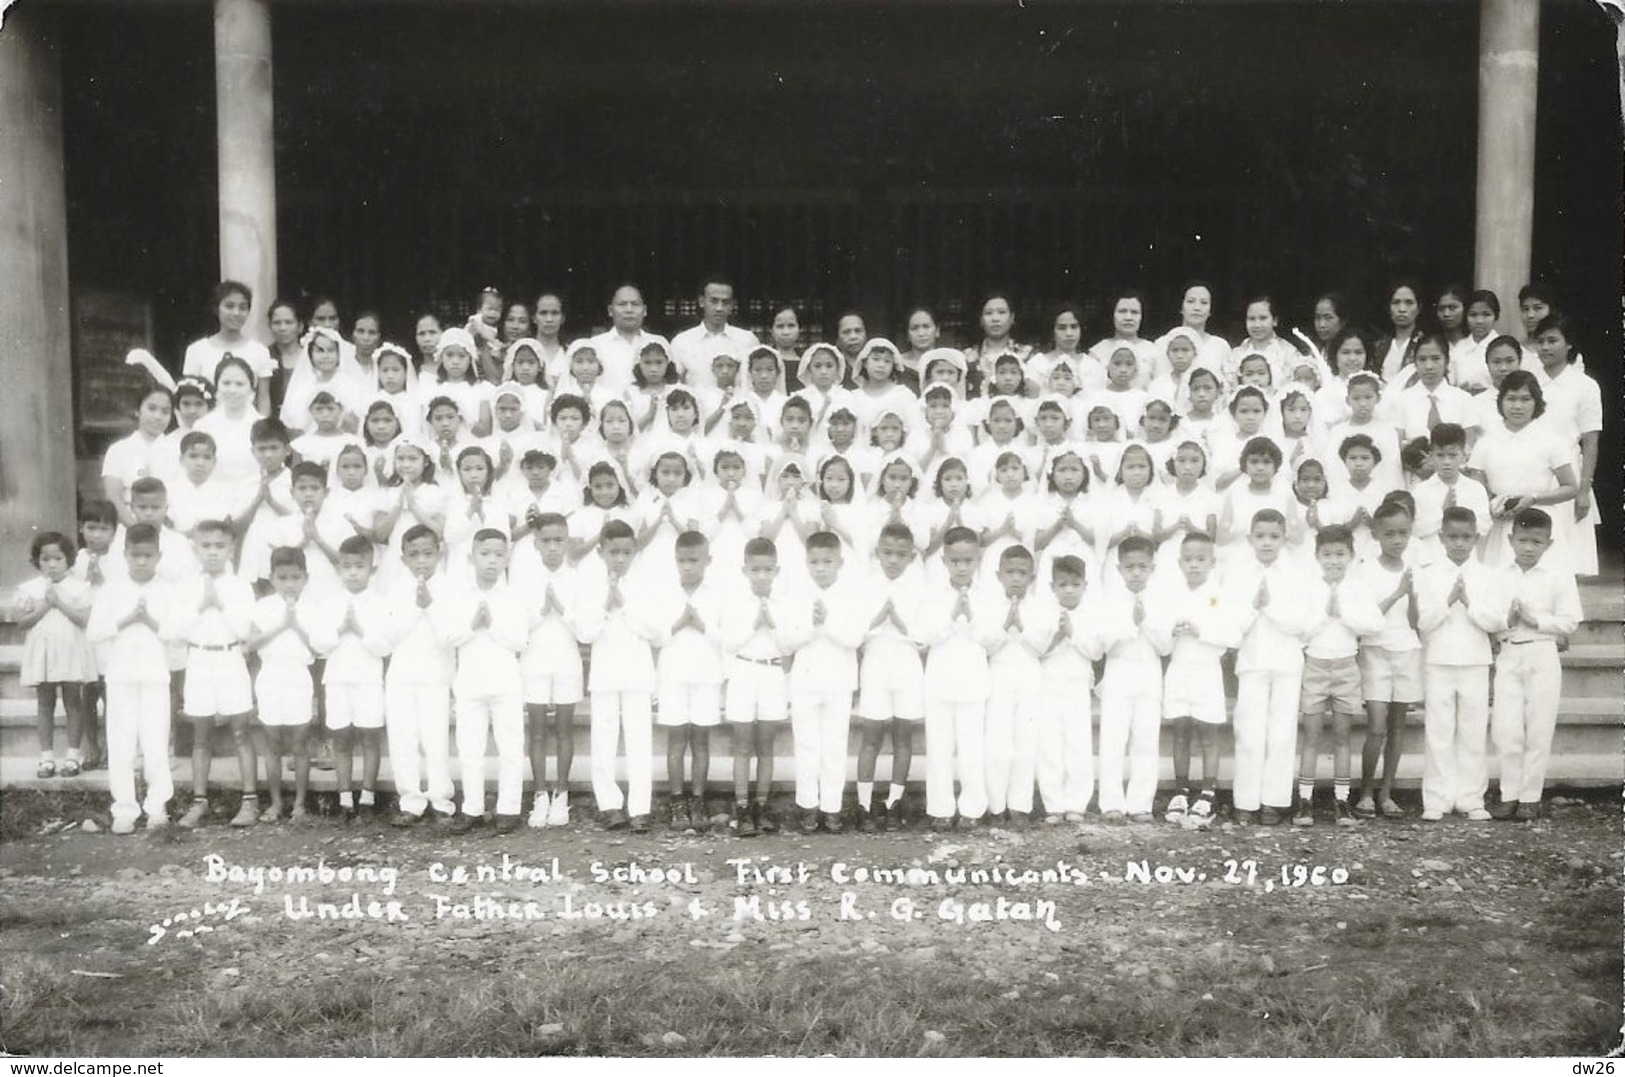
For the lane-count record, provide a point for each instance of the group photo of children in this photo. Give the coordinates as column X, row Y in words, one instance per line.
column 1035, row 560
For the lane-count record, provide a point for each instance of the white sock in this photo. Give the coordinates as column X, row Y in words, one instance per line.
column 346, row 799
column 894, row 793
column 76, row 755
column 367, row 797
column 866, row 793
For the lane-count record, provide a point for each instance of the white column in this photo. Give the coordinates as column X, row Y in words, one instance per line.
column 36, row 379
column 1508, row 77
column 242, row 72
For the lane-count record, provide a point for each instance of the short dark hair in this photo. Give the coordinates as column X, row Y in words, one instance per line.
column 1261, row 446
column 823, row 540
column 1069, row 565
column 148, row 485
column 692, row 540
column 99, row 510
column 356, row 546
column 539, row 456
column 615, row 529
column 50, row 538
column 141, row 535
column 286, row 556
column 1459, row 514
column 1267, row 516
column 222, row 527
column 761, row 547
column 1359, row 441
column 487, row 534
column 567, row 401
column 897, row 531
column 265, row 430
column 1447, row 434
column 442, row 402
column 1532, row 519
column 959, row 534
column 417, row 531
column 306, row 469
column 1017, row 552
column 1135, row 544
column 1334, row 535
column 197, row 437
column 550, row 519
column 1391, row 508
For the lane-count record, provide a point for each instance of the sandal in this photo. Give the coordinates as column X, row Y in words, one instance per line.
column 271, row 814
column 1389, row 810
column 46, row 769
column 68, row 769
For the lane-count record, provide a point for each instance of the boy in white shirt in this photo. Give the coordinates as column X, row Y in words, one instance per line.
column 1265, row 591
column 1065, row 768
column 352, row 633
column 417, row 686
column 125, row 619
column 1130, row 691
column 1343, row 610
column 891, row 679
column 282, row 687
column 757, row 629
column 197, row 495
column 1191, row 622
column 822, row 681
column 1543, row 608
column 1446, row 488
column 211, row 615
column 956, row 690
column 1015, row 685
column 488, row 625
column 551, row 662
column 687, row 612
column 622, row 680
column 321, row 444
column 1390, row 660
column 311, row 529
column 1456, row 610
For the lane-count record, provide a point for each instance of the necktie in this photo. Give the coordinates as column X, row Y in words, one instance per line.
column 1450, row 498
column 1139, row 609
column 1433, row 412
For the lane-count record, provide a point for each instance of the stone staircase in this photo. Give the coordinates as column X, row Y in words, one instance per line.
column 1587, row 751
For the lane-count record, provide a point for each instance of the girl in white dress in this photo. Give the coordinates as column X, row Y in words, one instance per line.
column 52, row 609
column 1524, row 464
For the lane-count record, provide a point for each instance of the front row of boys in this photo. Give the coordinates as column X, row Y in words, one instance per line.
column 1004, row 689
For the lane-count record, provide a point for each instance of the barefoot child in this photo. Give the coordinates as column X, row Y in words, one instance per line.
column 125, row 619
column 1346, row 610
column 282, row 688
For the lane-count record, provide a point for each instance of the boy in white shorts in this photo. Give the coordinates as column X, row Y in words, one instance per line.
column 1193, row 625
column 757, row 629
column 282, row 688
column 551, row 661
column 688, row 676
column 353, row 635
column 211, row 615
column 417, row 686
column 891, row 679
column 1390, row 660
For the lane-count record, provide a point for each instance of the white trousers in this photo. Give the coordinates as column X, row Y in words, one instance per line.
column 1528, row 686
column 1130, row 723
column 1456, row 718
column 1266, row 723
column 138, row 724
column 417, row 725
column 954, row 735
column 820, row 724
column 1011, row 747
column 615, row 714
column 1066, row 761
column 501, row 718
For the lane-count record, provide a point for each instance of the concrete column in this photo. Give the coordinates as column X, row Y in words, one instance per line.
column 242, row 72
column 1508, row 77
column 36, row 404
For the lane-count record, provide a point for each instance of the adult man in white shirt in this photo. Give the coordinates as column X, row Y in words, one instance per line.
column 693, row 349
column 618, row 347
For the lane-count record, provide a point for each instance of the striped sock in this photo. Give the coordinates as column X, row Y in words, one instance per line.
column 1306, row 789
column 1341, row 787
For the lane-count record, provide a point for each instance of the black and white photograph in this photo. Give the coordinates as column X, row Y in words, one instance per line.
column 752, row 529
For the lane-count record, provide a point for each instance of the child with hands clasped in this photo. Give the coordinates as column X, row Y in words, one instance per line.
column 1015, row 690
column 891, row 678
column 212, row 615
column 125, row 619
column 352, row 633
column 1344, row 609
column 829, row 629
column 52, row 608
column 1265, row 592
column 1192, row 623
column 487, row 624
column 1130, row 691
column 1446, row 488
column 956, row 688
column 686, row 611
column 280, row 636
column 417, row 684
column 757, row 632
column 622, row 680
column 551, row 662
column 1456, row 611
column 1390, row 660
column 1543, row 609
column 1065, row 768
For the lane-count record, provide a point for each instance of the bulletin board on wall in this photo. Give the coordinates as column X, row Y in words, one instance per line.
column 106, row 325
